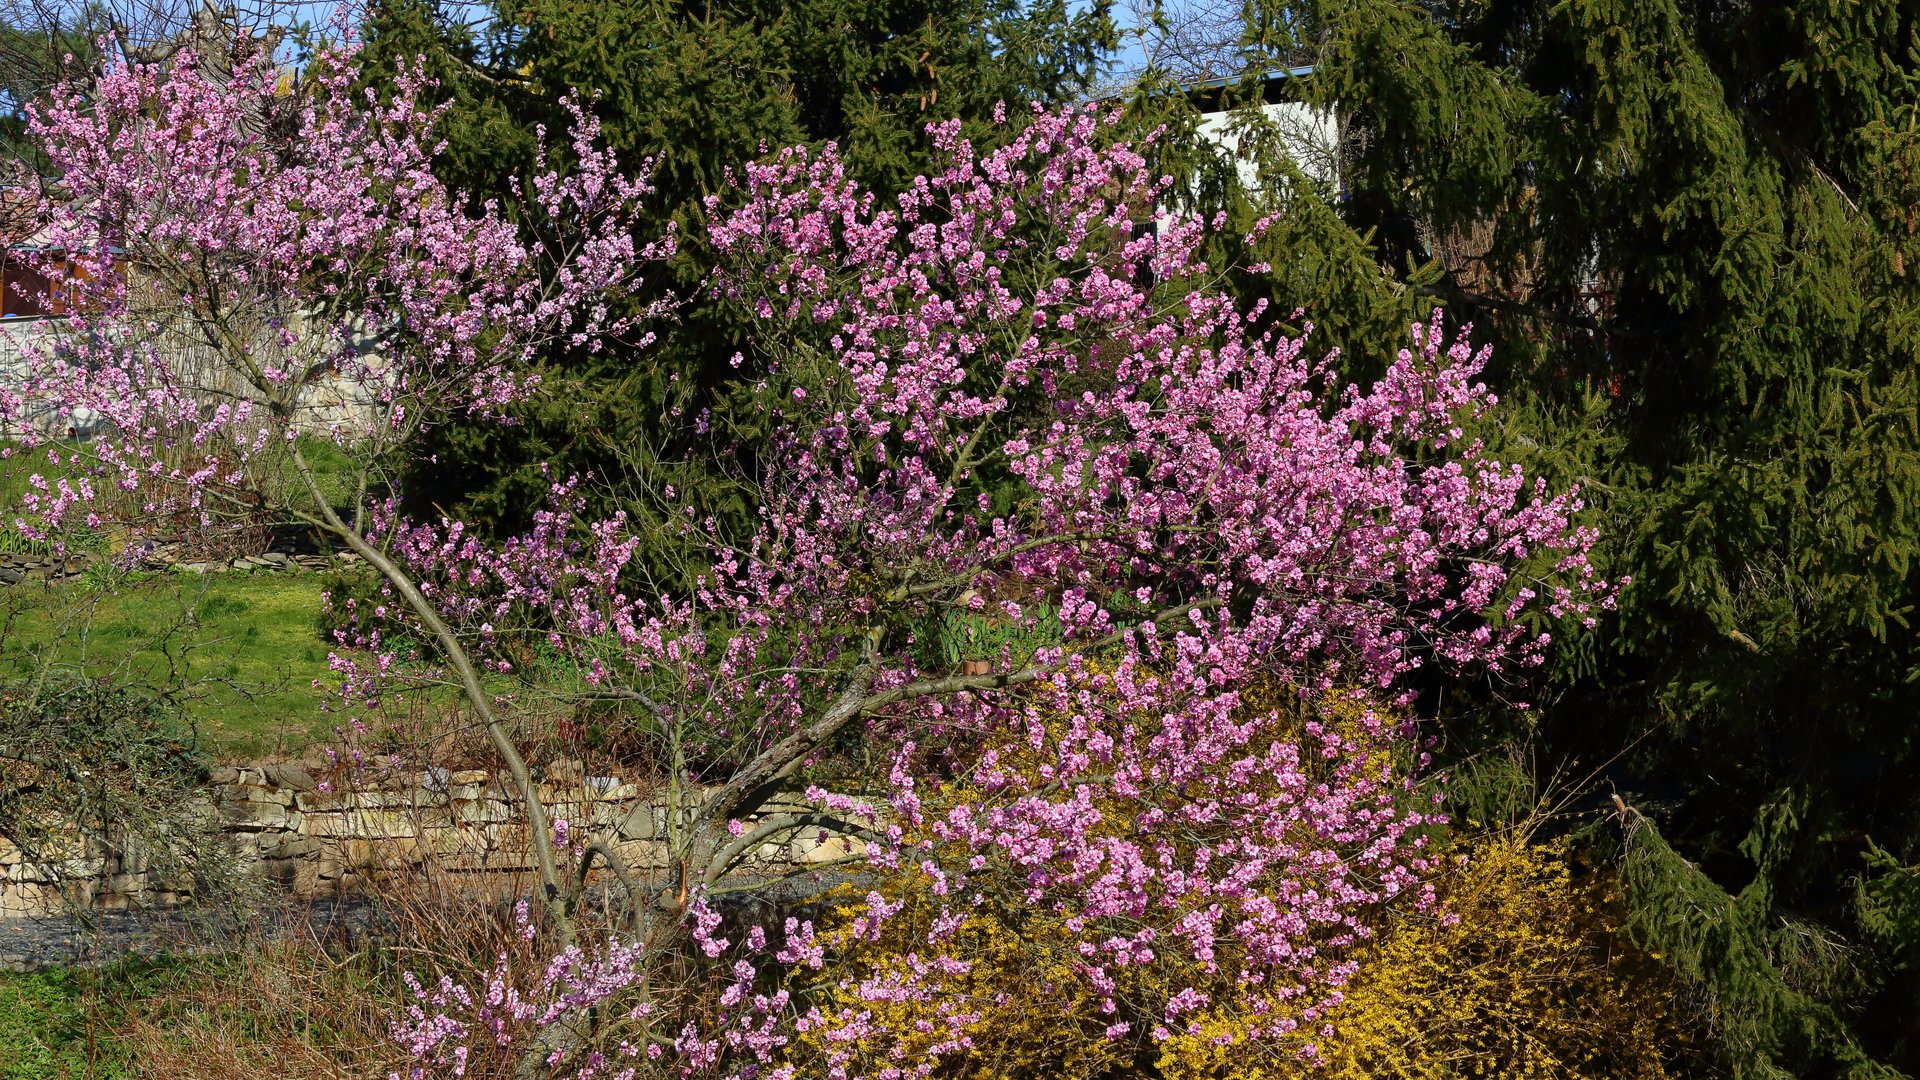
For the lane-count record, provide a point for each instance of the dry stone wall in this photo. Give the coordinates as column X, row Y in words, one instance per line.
column 315, row 843
column 287, row 551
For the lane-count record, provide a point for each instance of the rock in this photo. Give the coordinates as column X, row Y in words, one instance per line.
column 290, row 776
column 358, row 824
column 275, row 793
column 601, row 814
column 482, row 811
column 371, row 854
column 610, row 788
column 275, row 558
column 287, row 845
column 241, row 565
column 809, row 848
column 244, row 792
column 389, row 800
column 310, row 801
column 641, row 823
column 10, row 576
column 256, row 816
column 466, row 784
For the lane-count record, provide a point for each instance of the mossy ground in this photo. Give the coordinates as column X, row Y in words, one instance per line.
column 63, row 1025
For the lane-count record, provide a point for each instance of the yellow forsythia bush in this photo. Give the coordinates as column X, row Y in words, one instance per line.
column 1519, row 973
column 1030, row 1011
column 1033, row 1015
column 1524, row 977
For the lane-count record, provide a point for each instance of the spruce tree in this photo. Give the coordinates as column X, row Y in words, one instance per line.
column 1688, row 227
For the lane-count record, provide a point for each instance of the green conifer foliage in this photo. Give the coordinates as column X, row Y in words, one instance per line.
column 1688, row 228
column 35, row 45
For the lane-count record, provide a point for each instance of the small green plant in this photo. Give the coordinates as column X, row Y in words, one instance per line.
column 958, row 638
column 343, row 593
column 44, row 1028
column 12, row 542
column 101, row 572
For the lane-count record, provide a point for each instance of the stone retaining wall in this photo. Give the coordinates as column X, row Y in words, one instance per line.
column 17, row 567
column 166, row 555
column 319, row 844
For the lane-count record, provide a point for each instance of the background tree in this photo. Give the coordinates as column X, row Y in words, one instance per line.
column 1689, row 228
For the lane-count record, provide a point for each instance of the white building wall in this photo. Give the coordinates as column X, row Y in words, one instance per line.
column 1309, row 134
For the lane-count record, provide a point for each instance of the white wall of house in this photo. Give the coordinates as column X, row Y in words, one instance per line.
column 1310, row 134
column 324, row 403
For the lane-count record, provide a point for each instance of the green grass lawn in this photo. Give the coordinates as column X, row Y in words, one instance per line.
column 242, row 645
column 285, row 1006
column 67, row 1024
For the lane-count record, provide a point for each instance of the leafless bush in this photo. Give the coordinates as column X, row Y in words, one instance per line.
column 290, row 1009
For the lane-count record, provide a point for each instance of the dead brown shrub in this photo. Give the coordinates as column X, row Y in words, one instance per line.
column 284, row 1009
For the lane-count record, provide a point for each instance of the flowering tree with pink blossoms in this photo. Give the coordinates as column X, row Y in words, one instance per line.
column 1011, row 403
column 1012, row 394
column 260, row 255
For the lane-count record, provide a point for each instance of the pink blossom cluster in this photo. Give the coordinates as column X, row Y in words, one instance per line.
column 1170, row 446
column 1225, row 842
column 239, row 251
column 1019, row 320
column 450, row 1029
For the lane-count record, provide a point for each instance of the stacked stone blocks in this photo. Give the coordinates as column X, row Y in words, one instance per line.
column 317, row 843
